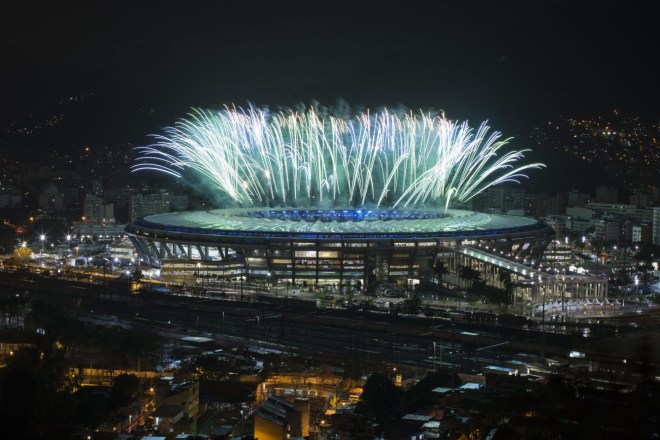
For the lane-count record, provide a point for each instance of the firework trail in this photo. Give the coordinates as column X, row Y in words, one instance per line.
column 311, row 157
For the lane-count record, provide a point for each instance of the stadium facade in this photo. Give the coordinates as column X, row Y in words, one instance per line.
column 359, row 248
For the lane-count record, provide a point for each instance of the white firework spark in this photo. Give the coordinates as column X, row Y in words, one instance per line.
column 311, row 158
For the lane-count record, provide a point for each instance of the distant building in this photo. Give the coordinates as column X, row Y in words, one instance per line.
column 656, row 225
column 640, row 199
column 580, row 212
column 144, row 205
column 558, row 223
column 606, row 194
column 95, row 211
column 644, row 215
column 578, row 226
column 500, row 199
column 642, row 233
column 279, row 419
column 181, row 393
column 13, row 339
column 51, row 198
column 103, row 230
column 96, row 187
column 9, row 200
column 576, row 198
column 166, row 416
column 608, row 229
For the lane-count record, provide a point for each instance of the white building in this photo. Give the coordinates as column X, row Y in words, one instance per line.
column 643, row 215
column 656, row 225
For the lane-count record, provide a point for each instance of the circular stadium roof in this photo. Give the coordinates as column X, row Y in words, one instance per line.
column 328, row 223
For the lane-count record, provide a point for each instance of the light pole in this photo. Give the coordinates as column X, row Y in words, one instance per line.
column 434, row 369
column 43, row 238
column 268, row 283
column 68, row 244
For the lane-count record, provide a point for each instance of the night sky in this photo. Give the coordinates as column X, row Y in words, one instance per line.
column 515, row 63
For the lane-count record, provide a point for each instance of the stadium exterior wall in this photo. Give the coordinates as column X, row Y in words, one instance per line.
column 362, row 260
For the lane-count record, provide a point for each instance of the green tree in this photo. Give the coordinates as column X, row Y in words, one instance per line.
column 412, row 305
column 380, row 397
column 136, row 275
column 212, row 368
column 469, row 275
column 8, row 236
column 10, row 307
column 35, row 395
column 124, row 389
column 505, row 279
column 440, row 269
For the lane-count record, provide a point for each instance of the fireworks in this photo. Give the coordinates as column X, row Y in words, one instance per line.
column 314, row 158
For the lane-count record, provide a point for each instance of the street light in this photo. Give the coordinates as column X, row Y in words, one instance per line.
column 68, row 243
column 43, row 237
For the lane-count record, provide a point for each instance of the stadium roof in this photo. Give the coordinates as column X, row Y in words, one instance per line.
column 236, row 221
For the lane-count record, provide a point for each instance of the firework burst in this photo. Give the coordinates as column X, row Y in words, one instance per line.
column 313, row 158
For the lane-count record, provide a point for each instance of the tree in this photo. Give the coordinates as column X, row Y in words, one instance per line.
column 461, row 274
column 440, row 269
column 11, row 306
column 8, row 237
column 124, row 388
column 22, row 254
column 136, row 276
column 35, row 395
column 380, row 397
column 478, row 286
column 412, row 305
column 505, row 279
column 20, row 257
column 468, row 274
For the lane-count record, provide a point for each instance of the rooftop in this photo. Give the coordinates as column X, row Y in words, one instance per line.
column 221, row 222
